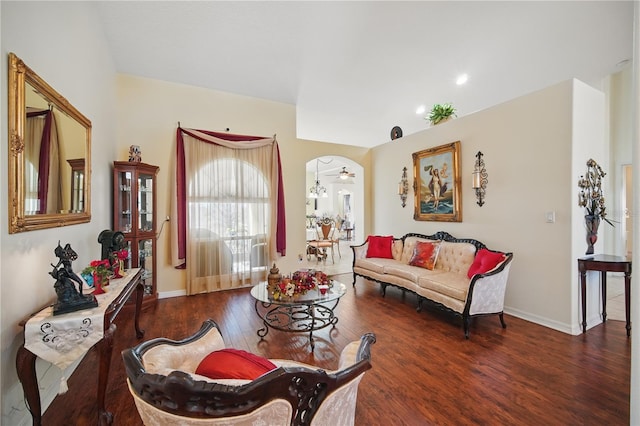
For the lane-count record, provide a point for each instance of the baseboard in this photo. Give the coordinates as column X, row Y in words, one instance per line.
column 174, row 293
column 555, row 325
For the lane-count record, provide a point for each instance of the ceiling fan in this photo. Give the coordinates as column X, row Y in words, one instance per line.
column 344, row 174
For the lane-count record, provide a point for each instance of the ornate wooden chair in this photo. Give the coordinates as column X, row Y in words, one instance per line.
column 326, row 240
column 166, row 390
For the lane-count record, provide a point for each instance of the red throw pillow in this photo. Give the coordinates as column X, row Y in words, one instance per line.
column 485, row 261
column 380, row 246
column 234, row 364
column 425, row 255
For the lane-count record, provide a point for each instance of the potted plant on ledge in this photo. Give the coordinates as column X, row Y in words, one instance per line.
column 441, row 113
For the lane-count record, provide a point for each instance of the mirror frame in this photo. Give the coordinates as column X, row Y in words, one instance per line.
column 19, row 73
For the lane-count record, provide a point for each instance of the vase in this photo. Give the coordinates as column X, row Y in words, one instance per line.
column 117, row 270
column 273, row 278
column 592, row 222
column 98, row 284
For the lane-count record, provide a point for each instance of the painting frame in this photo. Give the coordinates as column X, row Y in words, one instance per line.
column 432, row 203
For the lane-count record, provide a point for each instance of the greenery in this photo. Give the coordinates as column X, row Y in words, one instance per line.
column 101, row 268
column 441, row 112
column 591, row 196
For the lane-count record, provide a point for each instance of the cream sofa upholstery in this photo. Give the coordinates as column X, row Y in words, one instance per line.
column 162, row 380
column 447, row 285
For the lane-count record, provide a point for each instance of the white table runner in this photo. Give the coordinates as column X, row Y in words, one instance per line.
column 62, row 339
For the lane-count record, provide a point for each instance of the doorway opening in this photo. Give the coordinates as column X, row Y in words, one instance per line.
column 335, row 190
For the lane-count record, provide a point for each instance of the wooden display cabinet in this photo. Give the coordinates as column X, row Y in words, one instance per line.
column 134, row 214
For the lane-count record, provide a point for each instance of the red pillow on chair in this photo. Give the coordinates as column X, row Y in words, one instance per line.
column 234, row 364
column 484, row 261
column 380, row 246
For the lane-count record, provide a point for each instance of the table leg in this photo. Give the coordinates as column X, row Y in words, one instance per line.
column 603, row 274
column 312, row 314
column 583, row 288
column 105, row 349
column 26, row 366
column 627, row 301
column 138, row 309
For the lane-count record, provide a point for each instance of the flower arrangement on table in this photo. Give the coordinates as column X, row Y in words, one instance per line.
column 299, row 283
column 592, row 199
column 97, row 273
column 591, row 196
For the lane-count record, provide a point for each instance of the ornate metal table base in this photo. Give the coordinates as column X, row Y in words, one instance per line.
column 297, row 318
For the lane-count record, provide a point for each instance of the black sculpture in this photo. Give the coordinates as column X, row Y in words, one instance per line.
column 69, row 299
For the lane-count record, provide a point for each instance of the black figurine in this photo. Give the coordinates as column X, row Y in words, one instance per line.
column 69, row 299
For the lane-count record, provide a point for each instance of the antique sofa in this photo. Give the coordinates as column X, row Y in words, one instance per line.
column 170, row 385
column 459, row 275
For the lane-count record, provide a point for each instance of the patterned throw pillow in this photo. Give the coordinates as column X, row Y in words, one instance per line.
column 234, row 364
column 425, row 255
column 485, row 261
column 380, row 246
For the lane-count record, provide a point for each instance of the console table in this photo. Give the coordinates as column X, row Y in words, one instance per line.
column 63, row 339
column 605, row 263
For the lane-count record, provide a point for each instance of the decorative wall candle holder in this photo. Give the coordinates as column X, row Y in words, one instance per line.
column 480, row 179
column 403, row 187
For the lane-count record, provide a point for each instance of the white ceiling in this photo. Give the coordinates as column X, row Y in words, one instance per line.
column 356, row 69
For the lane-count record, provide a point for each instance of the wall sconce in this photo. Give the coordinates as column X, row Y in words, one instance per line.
column 479, row 179
column 403, row 187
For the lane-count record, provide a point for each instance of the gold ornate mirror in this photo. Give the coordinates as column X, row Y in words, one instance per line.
column 49, row 155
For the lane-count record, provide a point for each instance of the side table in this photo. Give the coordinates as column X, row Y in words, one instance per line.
column 605, row 263
column 109, row 305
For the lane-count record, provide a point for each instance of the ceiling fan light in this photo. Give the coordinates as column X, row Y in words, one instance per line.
column 344, row 174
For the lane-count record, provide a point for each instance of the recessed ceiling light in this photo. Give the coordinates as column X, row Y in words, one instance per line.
column 421, row 109
column 462, row 79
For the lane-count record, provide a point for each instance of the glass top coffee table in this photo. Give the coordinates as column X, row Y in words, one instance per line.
column 306, row 312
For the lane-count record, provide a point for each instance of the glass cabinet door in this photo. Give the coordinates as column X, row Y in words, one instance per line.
column 145, row 202
column 145, row 256
column 128, row 262
column 123, row 217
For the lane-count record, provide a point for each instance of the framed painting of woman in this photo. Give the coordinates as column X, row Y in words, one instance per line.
column 436, row 180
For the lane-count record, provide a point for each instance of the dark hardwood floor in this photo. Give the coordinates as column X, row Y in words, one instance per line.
column 424, row 371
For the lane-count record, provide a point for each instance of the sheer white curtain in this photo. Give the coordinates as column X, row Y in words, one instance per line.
column 230, row 216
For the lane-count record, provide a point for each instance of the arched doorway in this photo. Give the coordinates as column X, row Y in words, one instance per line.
column 335, row 188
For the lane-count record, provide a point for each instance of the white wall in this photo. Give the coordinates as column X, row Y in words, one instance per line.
column 64, row 44
column 528, row 144
column 620, row 111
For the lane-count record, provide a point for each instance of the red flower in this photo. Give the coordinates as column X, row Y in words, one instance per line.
column 122, row 254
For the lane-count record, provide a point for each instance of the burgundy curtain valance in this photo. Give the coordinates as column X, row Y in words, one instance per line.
column 44, row 161
column 232, row 141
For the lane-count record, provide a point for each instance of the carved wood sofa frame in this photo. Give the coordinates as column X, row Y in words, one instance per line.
column 180, row 394
column 464, row 315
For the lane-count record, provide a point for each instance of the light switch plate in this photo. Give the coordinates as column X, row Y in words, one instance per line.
column 550, row 217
